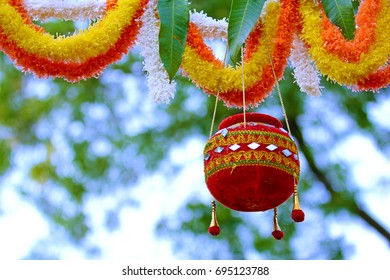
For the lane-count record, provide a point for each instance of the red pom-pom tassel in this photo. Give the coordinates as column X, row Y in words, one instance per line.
column 278, row 234
column 214, row 230
column 298, row 215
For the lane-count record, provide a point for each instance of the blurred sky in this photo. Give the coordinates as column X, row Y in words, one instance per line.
column 22, row 225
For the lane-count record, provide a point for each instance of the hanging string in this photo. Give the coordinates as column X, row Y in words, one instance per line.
column 1, row 71
column 217, row 97
column 280, row 97
column 214, row 114
column 243, row 85
column 297, row 215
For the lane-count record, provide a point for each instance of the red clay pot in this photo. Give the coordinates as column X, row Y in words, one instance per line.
column 251, row 166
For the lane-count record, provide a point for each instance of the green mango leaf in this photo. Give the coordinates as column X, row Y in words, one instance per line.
column 340, row 12
column 243, row 16
column 174, row 20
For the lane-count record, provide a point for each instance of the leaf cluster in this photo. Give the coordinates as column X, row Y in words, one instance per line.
column 243, row 15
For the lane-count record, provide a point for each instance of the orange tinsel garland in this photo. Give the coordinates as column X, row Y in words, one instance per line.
column 334, row 41
column 265, row 82
column 18, row 5
column 71, row 71
column 195, row 40
column 359, row 63
column 376, row 80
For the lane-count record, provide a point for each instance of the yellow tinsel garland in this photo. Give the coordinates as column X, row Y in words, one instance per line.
column 97, row 39
column 208, row 75
column 347, row 73
column 88, row 52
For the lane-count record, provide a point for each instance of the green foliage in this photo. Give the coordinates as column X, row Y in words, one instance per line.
column 243, row 16
column 214, row 8
column 328, row 192
column 193, row 222
column 42, row 172
column 5, row 155
column 65, row 28
column 340, row 12
column 174, row 20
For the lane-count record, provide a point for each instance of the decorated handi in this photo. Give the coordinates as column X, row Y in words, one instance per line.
column 251, row 164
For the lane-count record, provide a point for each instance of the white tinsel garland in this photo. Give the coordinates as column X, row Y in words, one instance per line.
column 160, row 90
column 92, row 9
column 209, row 27
column 69, row 9
column 306, row 76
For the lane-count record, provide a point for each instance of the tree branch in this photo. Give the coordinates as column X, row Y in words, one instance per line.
column 354, row 208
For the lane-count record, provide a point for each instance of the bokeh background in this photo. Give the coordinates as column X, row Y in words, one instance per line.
column 96, row 170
